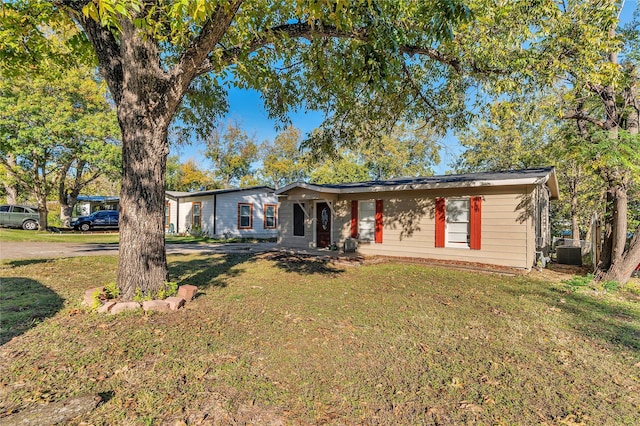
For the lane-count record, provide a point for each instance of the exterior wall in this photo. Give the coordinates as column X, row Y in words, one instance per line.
column 508, row 232
column 226, row 222
column 181, row 215
column 285, row 226
column 173, row 213
column 227, row 214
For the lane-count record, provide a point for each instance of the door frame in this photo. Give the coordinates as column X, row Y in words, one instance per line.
column 315, row 222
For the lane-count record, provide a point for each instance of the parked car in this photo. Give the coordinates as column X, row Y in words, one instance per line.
column 99, row 219
column 17, row 216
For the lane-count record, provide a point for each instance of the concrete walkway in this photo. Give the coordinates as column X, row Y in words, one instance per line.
column 27, row 250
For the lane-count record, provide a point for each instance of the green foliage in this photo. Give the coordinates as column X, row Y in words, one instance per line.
column 282, row 160
column 232, row 152
column 579, row 281
column 168, row 289
column 60, row 130
column 95, row 298
column 111, row 290
column 610, row 286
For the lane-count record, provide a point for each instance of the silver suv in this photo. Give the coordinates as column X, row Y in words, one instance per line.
column 17, row 216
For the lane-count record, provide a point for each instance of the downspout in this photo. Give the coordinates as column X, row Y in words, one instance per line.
column 215, row 214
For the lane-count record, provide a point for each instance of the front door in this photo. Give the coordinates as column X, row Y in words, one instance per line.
column 323, row 225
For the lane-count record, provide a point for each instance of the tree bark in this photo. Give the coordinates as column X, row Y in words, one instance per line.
column 10, row 188
column 142, row 266
column 621, row 270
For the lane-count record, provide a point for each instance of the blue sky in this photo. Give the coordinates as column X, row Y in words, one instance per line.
column 246, row 108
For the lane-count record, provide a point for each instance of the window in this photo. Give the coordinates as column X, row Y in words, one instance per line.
column 4, row 208
column 167, row 214
column 367, row 220
column 196, row 215
column 458, row 222
column 298, row 220
column 245, row 216
column 269, row 216
column 17, row 209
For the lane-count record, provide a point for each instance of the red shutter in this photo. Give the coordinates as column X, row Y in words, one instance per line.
column 354, row 219
column 475, row 223
column 440, row 221
column 378, row 228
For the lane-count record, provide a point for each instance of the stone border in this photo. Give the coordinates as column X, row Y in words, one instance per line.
column 186, row 293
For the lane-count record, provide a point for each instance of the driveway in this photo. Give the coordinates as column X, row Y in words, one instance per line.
column 22, row 250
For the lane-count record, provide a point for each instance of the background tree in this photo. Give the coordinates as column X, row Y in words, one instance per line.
column 283, row 161
column 409, row 150
column 345, row 167
column 232, row 152
column 53, row 126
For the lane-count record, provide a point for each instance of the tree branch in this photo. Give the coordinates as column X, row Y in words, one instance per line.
column 104, row 43
column 311, row 32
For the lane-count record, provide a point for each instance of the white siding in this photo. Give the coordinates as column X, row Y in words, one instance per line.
column 227, row 214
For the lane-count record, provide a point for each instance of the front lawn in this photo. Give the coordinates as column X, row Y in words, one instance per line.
column 278, row 338
column 101, row 237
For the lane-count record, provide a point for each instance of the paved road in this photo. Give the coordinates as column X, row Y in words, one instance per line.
column 22, row 250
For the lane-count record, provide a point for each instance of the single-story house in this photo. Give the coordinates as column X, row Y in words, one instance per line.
column 87, row 204
column 498, row 218
column 223, row 213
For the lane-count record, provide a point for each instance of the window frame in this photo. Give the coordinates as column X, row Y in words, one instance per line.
column 275, row 215
column 167, row 214
column 371, row 220
column 240, row 216
column 447, row 222
column 193, row 215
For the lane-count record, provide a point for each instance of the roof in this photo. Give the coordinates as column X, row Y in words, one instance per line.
column 181, row 194
column 98, row 198
column 535, row 176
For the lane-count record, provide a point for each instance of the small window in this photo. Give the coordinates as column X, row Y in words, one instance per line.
column 298, row 220
column 367, row 220
column 167, row 215
column 270, row 216
column 196, row 215
column 457, row 221
column 245, row 216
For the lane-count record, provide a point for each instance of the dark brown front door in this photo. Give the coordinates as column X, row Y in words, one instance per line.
column 323, row 225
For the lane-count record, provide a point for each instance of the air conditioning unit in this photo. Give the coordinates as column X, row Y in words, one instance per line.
column 350, row 245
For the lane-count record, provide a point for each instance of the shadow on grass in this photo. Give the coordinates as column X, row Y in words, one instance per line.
column 23, row 304
column 207, row 272
column 25, row 262
column 304, row 264
column 604, row 319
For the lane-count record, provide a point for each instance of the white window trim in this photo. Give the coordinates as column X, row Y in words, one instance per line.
column 360, row 221
column 448, row 244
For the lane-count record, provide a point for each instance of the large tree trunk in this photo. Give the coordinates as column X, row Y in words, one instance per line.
column 10, row 188
column 143, row 262
column 621, row 270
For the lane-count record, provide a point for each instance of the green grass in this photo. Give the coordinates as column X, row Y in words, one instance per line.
column 19, row 235
column 110, row 237
column 306, row 342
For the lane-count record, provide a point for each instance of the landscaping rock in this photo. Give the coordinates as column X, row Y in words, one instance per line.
column 124, row 306
column 187, row 292
column 88, row 295
column 106, row 307
column 155, row 305
column 54, row 412
column 175, row 303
